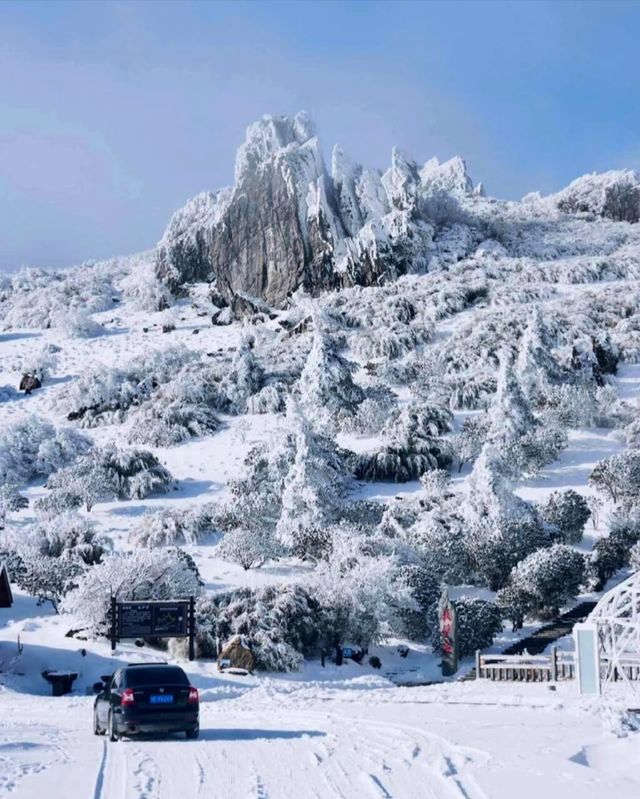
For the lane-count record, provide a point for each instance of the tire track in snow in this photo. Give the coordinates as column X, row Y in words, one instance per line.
column 99, row 785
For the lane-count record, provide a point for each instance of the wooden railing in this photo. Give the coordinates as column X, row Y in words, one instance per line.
column 526, row 668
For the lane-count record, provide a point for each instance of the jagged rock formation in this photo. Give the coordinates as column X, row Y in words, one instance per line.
column 288, row 223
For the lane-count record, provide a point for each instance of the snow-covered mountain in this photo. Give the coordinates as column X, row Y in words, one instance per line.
column 320, row 400
column 289, row 223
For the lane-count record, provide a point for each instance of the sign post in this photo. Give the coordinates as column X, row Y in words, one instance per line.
column 154, row 619
column 448, row 634
column 587, row 658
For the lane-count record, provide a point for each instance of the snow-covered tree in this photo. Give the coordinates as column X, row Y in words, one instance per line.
column 144, row 290
column 548, row 578
column 364, row 594
column 137, row 575
column 246, row 376
column 312, row 490
column 535, row 366
column 11, row 500
column 618, row 478
column 568, row 512
column 248, row 548
column 328, row 393
column 48, row 578
column 469, row 441
column 613, row 552
column 479, row 622
column 502, row 529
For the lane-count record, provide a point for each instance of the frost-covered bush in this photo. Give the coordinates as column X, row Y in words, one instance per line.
column 103, row 395
column 279, row 622
column 618, row 478
column 613, row 552
column 39, row 364
column 469, row 441
column 112, row 472
column 412, row 445
column 57, row 501
column 568, row 512
column 144, row 290
column 78, row 323
column 137, row 575
column 173, row 526
column 32, row 448
column 68, row 536
column 549, row 578
column 160, row 422
column 270, row 399
column 248, row 548
column 373, row 412
column 614, row 194
column 479, row 622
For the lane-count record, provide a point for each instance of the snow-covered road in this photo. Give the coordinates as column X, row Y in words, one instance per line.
column 285, row 739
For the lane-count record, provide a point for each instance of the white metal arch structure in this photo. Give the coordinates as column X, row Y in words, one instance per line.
column 617, row 616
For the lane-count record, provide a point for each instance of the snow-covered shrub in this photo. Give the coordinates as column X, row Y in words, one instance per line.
column 144, row 290
column 374, row 411
column 613, row 552
column 245, row 377
column 78, row 323
column 103, row 395
column 614, row 195
column 618, row 478
column 56, row 502
column 413, row 445
column 137, row 575
column 68, row 536
column 160, row 422
column 479, row 622
column 248, row 548
column 548, row 579
column 39, row 364
column 270, row 399
column 112, row 473
column 279, row 622
column 568, row 512
column 173, row 526
column 32, row 448
column 440, row 540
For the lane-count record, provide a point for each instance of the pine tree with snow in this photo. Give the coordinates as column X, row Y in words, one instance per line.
column 246, row 376
column 312, row 490
column 568, row 512
column 328, row 393
column 535, row 366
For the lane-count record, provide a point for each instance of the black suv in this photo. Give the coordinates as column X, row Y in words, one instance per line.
column 146, row 698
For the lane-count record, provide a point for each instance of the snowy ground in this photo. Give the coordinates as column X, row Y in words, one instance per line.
column 325, row 733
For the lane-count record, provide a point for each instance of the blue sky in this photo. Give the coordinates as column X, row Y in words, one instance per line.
column 112, row 114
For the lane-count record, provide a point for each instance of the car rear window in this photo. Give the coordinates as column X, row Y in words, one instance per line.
column 155, row 675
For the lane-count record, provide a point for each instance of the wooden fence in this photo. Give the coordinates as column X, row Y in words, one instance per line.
column 526, row 668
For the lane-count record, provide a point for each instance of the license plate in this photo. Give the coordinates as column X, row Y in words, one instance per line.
column 161, row 699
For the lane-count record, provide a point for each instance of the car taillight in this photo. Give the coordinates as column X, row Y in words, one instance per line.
column 127, row 697
column 193, row 696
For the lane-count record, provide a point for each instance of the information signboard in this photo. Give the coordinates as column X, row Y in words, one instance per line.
column 171, row 619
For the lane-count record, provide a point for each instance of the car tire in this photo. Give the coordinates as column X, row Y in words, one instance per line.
column 97, row 730
column 193, row 733
column 113, row 732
